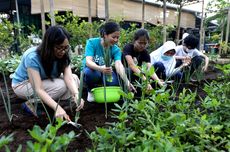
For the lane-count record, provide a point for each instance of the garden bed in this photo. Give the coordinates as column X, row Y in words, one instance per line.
column 92, row 116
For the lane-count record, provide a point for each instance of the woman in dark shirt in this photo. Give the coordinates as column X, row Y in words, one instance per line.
column 135, row 54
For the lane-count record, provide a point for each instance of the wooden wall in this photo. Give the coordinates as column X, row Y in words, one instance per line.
column 120, row 9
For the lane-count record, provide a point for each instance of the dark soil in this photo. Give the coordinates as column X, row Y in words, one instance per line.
column 92, row 116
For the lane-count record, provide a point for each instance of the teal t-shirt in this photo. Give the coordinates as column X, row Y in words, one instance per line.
column 95, row 49
column 31, row 59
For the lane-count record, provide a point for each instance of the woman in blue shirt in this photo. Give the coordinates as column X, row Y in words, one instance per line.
column 94, row 63
column 45, row 71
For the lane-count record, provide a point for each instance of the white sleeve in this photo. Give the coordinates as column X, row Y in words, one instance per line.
column 196, row 53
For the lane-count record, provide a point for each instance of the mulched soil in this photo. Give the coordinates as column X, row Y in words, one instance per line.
column 92, row 116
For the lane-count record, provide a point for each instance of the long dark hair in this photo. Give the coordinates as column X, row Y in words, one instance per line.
column 139, row 33
column 55, row 35
column 109, row 28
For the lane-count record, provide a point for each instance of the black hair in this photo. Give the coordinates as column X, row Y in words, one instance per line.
column 109, row 28
column 191, row 41
column 55, row 35
column 139, row 33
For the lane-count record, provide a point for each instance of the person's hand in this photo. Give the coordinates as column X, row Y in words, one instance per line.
column 60, row 113
column 161, row 83
column 81, row 105
column 186, row 62
column 131, row 87
column 204, row 68
column 106, row 70
column 149, row 87
column 188, row 58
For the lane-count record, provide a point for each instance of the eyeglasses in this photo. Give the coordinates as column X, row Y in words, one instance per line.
column 62, row 48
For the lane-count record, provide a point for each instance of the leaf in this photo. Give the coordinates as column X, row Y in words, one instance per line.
column 36, row 133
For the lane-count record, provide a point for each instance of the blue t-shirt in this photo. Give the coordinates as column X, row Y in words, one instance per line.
column 95, row 49
column 31, row 59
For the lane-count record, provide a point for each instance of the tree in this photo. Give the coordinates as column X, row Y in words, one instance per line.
column 180, row 4
column 220, row 9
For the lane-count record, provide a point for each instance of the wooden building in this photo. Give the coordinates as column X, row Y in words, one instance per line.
column 128, row 10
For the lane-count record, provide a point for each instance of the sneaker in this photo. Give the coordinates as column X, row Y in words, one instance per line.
column 90, row 97
column 29, row 108
column 193, row 80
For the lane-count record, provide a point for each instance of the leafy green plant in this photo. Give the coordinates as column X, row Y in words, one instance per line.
column 159, row 123
column 6, row 140
column 6, row 36
column 9, row 64
column 76, row 61
column 47, row 140
column 79, row 29
column 225, row 48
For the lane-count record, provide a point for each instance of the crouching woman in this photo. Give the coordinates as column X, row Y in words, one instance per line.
column 45, row 71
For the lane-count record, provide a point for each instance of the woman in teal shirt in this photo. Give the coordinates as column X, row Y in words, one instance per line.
column 94, row 63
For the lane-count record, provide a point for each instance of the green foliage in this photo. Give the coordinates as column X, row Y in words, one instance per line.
column 225, row 68
column 76, row 61
column 6, row 35
column 158, row 122
column 47, row 140
column 10, row 63
column 126, row 36
column 4, row 141
column 79, row 29
column 225, row 47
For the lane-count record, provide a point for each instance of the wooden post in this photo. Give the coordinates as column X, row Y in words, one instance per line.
column 106, row 10
column 17, row 13
column 52, row 17
column 201, row 45
column 89, row 12
column 178, row 23
column 143, row 14
column 90, row 18
column 42, row 17
column 227, row 28
column 164, row 21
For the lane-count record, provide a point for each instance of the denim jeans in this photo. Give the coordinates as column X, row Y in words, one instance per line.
column 94, row 78
column 195, row 63
column 161, row 73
